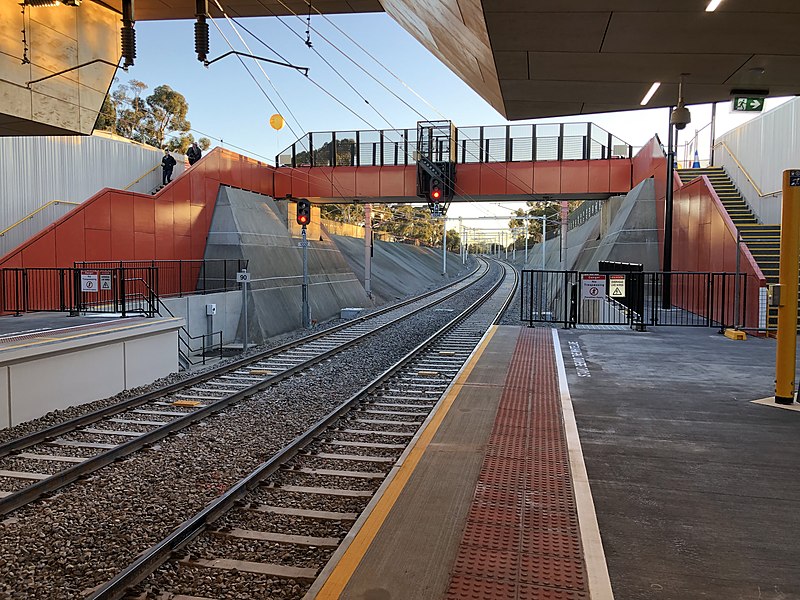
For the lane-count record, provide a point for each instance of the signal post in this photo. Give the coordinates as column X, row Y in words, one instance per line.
column 303, row 219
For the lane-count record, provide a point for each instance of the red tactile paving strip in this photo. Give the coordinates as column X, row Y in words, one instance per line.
column 521, row 539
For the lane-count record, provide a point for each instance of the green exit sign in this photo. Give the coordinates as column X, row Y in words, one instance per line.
column 744, row 104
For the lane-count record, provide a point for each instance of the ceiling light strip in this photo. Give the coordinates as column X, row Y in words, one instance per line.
column 649, row 95
column 712, row 6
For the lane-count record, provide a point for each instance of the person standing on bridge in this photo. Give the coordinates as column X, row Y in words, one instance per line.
column 167, row 164
column 194, row 153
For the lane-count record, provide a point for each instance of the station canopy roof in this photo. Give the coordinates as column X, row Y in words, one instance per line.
column 542, row 58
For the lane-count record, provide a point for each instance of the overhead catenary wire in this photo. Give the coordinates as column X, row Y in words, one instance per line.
column 463, row 192
column 506, row 175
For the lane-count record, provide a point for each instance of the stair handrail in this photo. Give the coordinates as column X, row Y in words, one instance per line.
column 744, row 171
column 31, row 214
column 134, row 182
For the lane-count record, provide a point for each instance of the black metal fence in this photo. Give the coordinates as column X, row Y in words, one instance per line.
column 183, row 277
column 634, row 299
column 125, row 291
column 480, row 144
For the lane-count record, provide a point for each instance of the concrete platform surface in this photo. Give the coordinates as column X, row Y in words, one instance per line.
column 37, row 324
column 695, row 486
column 483, row 504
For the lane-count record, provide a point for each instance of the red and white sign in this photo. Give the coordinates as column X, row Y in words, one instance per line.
column 593, row 287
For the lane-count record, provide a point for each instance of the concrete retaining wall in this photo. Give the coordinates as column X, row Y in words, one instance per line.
column 251, row 226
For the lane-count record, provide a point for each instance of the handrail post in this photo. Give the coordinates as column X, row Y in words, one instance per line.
column 123, row 299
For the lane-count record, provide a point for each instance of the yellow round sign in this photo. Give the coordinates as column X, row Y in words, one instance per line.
column 276, row 121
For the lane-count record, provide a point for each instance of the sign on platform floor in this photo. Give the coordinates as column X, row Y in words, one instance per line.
column 88, row 282
column 593, row 287
column 616, row 286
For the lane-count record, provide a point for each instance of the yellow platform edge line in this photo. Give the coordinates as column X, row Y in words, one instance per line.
column 598, row 579
column 340, row 575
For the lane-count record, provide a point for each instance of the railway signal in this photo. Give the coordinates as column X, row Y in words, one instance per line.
column 303, row 212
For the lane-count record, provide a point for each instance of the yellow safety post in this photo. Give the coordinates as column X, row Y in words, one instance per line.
column 786, row 299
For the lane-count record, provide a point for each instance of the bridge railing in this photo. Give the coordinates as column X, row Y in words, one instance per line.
column 496, row 143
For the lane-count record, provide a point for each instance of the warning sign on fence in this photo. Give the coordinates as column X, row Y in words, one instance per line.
column 88, row 282
column 593, row 287
column 616, row 286
column 105, row 281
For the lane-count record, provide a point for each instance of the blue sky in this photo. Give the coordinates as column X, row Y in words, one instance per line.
column 225, row 102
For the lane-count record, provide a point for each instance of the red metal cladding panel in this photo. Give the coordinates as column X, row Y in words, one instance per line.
column 182, row 215
column 144, row 245
column 40, row 254
column 301, row 183
column 368, row 182
column 283, row 182
column 547, row 177
column 493, row 179
column 520, row 177
column 211, row 165
column 621, row 175
column 599, row 176
column 410, row 180
column 344, row 181
column 165, row 231
column 199, row 232
column 575, row 176
column 398, row 181
column 468, row 179
column 183, row 246
column 97, row 213
column 98, row 244
column 320, row 183
column 144, row 214
column 70, row 240
column 121, row 227
column 247, row 170
column 180, row 188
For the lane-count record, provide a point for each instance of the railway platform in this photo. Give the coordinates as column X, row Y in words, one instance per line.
column 590, row 464
column 52, row 361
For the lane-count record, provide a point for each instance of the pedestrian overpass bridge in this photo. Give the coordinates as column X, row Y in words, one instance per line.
column 553, row 161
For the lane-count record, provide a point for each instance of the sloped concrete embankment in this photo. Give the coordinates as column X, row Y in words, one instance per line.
column 399, row 270
column 251, row 226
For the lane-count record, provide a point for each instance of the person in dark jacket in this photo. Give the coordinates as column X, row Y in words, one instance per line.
column 167, row 164
column 194, row 153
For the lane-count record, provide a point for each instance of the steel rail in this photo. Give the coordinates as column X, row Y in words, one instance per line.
column 151, row 559
column 63, row 478
column 43, row 435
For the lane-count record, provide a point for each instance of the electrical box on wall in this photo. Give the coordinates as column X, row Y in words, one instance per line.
column 211, row 309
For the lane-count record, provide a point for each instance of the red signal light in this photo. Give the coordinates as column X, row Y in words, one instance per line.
column 436, row 194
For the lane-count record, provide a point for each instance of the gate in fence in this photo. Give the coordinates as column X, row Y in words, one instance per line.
column 126, row 291
column 635, row 299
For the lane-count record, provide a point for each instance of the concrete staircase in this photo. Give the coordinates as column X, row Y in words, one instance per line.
column 763, row 241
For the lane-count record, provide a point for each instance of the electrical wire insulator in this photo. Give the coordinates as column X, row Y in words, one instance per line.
column 128, row 44
column 201, row 38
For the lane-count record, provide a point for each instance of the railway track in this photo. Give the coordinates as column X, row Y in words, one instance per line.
column 45, row 461
column 273, row 533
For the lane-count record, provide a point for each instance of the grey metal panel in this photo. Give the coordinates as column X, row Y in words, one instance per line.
column 764, row 147
column 38, row 170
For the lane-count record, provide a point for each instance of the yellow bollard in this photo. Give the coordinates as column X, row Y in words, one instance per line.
column 786, row 354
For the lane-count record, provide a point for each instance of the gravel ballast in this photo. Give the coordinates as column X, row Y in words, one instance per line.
column 61, row 546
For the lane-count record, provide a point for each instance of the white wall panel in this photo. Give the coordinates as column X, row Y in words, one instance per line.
column 38, row 170
column 764, row 147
